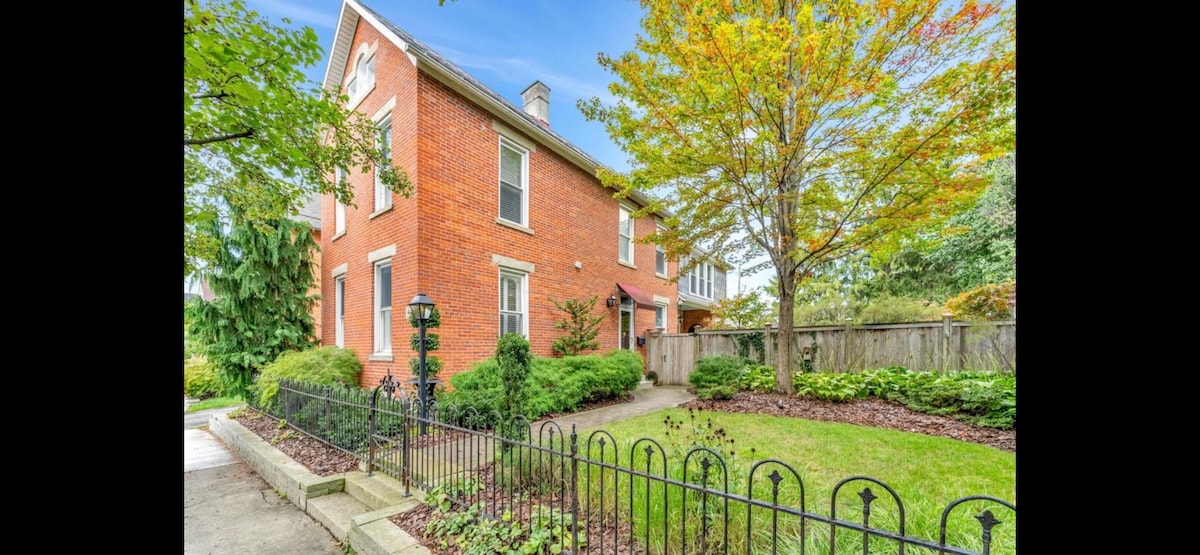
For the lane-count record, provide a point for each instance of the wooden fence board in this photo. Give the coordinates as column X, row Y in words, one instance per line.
column 923, row 346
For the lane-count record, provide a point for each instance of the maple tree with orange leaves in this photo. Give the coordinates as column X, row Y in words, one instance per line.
column 806, row 131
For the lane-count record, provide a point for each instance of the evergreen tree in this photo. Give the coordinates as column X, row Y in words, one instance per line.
column 580, row 325
column 261, row 281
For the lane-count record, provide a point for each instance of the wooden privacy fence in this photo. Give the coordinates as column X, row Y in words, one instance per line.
column 920, row 346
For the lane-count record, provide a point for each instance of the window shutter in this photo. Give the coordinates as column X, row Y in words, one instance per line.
column 510, row 185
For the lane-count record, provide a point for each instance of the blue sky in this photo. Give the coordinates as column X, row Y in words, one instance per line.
column 508, row 45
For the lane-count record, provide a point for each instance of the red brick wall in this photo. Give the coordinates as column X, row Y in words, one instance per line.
column 394, row 76
column 448, row 256
column 691, row 317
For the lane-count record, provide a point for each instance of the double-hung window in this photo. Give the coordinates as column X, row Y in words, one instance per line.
column 660, row 257
column 512, row 303
column 699, row 281
column 339, row 212
column 660, row 316
column 383, row 307
column 383, row 196
column 625, row 233
column 514, row 182
column 340, row 310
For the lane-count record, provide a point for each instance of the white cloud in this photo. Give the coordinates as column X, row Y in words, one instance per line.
column 523, row 72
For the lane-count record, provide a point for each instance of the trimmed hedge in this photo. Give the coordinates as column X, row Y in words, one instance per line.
column 554, row 385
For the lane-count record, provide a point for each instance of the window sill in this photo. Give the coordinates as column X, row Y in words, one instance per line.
column 656, row 274
column 626, row 264
column 354, row 102
column 515, row 226
column 381, row 357
column 335, row 237
column 378, row 212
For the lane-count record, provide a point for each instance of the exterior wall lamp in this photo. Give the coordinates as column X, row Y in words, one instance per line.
column 612, row 301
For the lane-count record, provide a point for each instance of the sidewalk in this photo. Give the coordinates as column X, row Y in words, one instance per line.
column 228, row 508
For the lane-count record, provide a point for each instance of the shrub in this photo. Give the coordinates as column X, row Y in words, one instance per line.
column 200, row 380
column 997, row 301
column 323, row 365
column 759, row 377
column 889, row 309
column 581, row 326
column 513, row 359
column 717, row 392
column 652, row 376
column 554, row 384
column 716, row 370
column 829, row 386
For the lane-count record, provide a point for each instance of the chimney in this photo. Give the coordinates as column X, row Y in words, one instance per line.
column 537, row 102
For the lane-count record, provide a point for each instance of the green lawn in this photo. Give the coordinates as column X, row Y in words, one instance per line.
column 927, row 473
column 216, row 403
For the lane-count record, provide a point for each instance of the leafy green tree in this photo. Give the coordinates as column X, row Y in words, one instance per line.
column 581, row 326
column 261, row 280
column 805, row 131
column 257, row 135
column 744, row 311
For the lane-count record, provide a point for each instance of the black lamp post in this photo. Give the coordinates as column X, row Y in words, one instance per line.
column 421, row 309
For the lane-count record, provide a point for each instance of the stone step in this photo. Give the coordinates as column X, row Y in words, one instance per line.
column 335, row 511
column 377, row 491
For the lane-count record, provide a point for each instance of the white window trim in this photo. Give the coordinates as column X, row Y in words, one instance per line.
column 657, row 249
column 632, row 234
column 365, row 53
column 339, row 310
column 523, row 288
column 376, row 351
column 506, row 142
column 381, row 191
column 339, row 210
column 664, row 316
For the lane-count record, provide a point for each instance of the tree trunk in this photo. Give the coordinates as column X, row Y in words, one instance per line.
column 783, row 356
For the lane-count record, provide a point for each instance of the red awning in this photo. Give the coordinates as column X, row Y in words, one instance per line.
column 640, row 297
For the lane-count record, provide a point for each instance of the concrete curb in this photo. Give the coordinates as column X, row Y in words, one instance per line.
column 370, row 531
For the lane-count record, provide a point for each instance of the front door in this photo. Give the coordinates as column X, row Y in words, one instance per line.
column 626, row 322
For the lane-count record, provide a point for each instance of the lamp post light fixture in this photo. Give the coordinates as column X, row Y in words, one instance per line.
column 421, row 309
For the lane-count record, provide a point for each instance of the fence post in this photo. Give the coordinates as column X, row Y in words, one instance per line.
column 846, row 347
column 405, row 461
column 946, row 327
column 573, row 488
column 371, row 433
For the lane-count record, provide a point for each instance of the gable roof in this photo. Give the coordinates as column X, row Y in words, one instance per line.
column 444, row 70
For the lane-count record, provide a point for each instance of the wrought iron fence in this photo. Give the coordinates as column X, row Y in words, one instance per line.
column 638, row 497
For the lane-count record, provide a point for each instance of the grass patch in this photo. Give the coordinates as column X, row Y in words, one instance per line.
column 927, row 473
column 216, row 403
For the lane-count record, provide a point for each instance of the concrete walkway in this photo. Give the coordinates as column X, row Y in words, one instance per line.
column 228, row 508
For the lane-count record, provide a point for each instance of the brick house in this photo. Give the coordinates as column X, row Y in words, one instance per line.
column 505, row 215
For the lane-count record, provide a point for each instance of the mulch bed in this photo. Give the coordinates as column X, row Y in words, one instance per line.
column 320, row 459
column 872, row 412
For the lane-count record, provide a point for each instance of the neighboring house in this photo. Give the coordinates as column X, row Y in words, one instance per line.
column 505, row 215
column 698, row 290
column 310, row 212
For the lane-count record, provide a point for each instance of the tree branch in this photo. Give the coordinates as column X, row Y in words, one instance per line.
column 219, row 138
